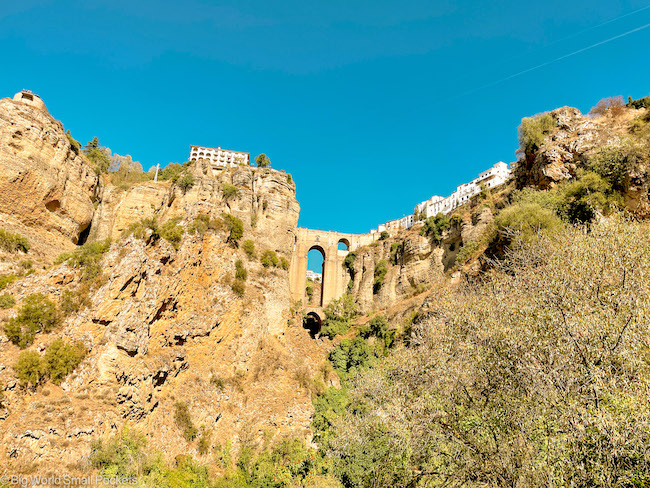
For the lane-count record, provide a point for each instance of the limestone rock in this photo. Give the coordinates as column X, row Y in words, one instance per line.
column 46, row 189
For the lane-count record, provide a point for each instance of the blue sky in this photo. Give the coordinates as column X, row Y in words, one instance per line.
column 373, row 106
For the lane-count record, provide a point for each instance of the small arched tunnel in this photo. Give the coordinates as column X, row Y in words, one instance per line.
column 344, row 245
column 313, row 323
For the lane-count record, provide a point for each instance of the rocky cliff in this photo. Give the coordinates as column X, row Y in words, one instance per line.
column 47, row 190
column 162, row 323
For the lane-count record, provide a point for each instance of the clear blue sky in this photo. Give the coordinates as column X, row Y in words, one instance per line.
column 373, row 106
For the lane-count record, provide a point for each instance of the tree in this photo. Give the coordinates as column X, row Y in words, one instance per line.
column 236, row 228
column 533, row 131
column 262, row 161
column 92, row 144
column 29, row 368
column 610, row 105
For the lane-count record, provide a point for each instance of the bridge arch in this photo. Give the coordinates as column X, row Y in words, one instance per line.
column 313, row 323
column 335, row 278
column 319, row 248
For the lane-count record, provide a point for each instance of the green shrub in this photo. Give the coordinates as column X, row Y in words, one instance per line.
column 435, row 226
column 13, row 242
column 37, row 314
column 254, row 220
column 99, row 157
column 141, row 228
column 235, row 228
column 249, row 248
column 119, row 455
column 289, row 179
column 583, row 197
column 70, row 302
column 262, row 161
column 533, row 131
column 350, row 355
column 7, row 301
column 309, row 289
column 240, row 271
column 466, row 252
column 61, row 359
column 381, row 268
column 172, row 232
column 526, row 221
column 338, row 316
column 86, row 258
column 239, row 287
column 384, row 235
column 269, row 259
column 30, row 369
column 203, row 223
column 6, row 280
column 185, row 182
column 615, row 163
column 284, row 263
column 75, row 145
column 229, row 191
column 184, row 421
column 204, row 441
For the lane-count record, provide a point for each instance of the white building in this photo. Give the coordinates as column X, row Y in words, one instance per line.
column 220, row 158
column 495, row 176
column 314, row 276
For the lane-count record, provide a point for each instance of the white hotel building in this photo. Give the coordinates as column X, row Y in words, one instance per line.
column 495, row 176
column 220, row 158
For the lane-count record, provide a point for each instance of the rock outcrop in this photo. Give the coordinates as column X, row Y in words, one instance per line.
column 47, row 190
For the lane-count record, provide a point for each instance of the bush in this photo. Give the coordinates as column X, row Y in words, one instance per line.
column 526, row 220
column 350, row 355
column 172, row 232
column 37, row 314
column 6, row 280
column 240, row 271
column 338, row 316
column 229, row 191
column 533, row 131
column 87, row 258
column 61, row 359
column 29, row 368
column 309, row 289
column 584, row 197
column 249, row 248
column 527, row 377
column 204, row 441
column 615, row 163
column 239, row 287
column 202, row 224
column 184, row 421
column 381, row 268
column 7, row 301
column 466, row 252
column 119, row 455
column 75, row 145
column 13, row 242
column 611, row 105
column 70, row 303
column 185, row 182
column 395, row 249
column 384, row 235
column 269, row 259
column 235, row 228
column 284, row 263
column 435, row 226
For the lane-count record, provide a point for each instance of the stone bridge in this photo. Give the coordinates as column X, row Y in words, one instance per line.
column 335, row 277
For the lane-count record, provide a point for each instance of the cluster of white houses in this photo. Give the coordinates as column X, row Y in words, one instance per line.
column 495, row 176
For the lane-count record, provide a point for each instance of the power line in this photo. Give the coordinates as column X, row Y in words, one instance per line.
column 555, row 60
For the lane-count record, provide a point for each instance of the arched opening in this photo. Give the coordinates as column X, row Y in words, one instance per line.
column 315, row 276
column 313, row 323
column 344, row 245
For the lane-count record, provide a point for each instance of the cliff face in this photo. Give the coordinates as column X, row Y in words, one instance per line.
column 574, row 140
column 161, row 324
column 413, row 262
column 46, row 189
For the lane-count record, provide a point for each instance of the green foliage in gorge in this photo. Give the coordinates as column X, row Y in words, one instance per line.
column 534, row 376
